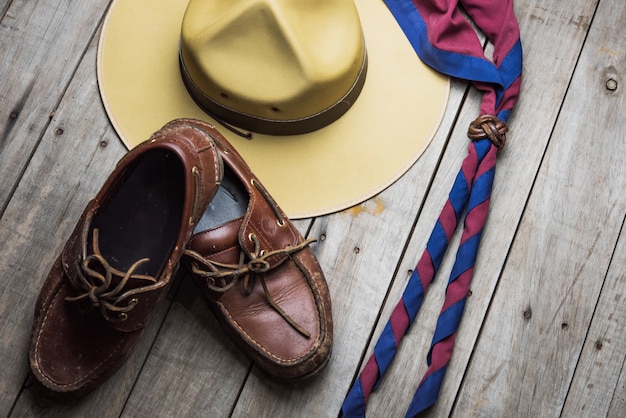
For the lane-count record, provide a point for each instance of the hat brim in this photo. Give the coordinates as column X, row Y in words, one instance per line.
column 336, row 167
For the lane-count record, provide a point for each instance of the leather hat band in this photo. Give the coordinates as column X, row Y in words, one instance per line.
column 269, row 126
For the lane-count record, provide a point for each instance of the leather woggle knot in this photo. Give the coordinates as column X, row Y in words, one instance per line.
column 488, row 127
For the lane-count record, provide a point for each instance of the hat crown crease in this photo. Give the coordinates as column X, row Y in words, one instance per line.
column 271, row 59
column 338, row 164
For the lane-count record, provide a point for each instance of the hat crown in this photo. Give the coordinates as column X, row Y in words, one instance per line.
column 273, row 59
column 339, row 165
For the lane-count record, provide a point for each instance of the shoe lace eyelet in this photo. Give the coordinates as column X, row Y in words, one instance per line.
column 277, row 212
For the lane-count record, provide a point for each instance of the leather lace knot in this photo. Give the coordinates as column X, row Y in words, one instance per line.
column 220, row 277
column 96, row 279
column 488, row 126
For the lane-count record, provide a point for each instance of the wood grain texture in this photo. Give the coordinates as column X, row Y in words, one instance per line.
column 543, row 332
column 42, row 43
column 601, row 365
column 194, row 369
column 602, row 361
column 64, row 173
column 618, row 402
column 518, row 164
column 76, row 154
column 4, row 6
column 359, row 253
column 539, row 317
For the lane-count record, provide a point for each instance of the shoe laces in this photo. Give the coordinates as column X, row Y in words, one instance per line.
column 97, row 278
column 220, row 277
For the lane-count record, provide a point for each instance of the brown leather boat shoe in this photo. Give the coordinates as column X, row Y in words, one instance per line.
column 260, row 276
column 119, row 261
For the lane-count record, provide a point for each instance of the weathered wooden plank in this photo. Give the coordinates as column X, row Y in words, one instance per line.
column 595, row 388
column 618, row 403
column 194, row 368
column 4, row 6
column 76, row 154
column 42, row 43
column 518, row 163
column 211, row 382
column 531, row 341
column 359, row 249
column 347, row 251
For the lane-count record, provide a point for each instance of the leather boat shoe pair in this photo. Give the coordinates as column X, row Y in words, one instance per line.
column 184, row 194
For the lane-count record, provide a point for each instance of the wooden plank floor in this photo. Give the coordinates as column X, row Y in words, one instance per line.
column 544, row 331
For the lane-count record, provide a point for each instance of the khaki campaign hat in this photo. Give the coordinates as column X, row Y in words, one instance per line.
column 337, row 102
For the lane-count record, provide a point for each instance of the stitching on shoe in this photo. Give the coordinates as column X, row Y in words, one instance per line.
column 194, row 151
column 316, row 294
column 265, row 350
column 97, row 370
column 89, row 377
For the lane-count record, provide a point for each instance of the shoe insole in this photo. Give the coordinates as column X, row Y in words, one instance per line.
column 143, row 217
column 230, row 202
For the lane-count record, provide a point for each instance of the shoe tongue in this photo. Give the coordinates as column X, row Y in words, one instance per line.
column 220, row 243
